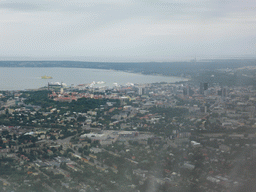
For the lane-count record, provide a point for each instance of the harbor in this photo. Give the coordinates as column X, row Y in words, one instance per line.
column 16, row 78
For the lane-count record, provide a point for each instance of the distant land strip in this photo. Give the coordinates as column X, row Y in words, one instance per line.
column 148, row 68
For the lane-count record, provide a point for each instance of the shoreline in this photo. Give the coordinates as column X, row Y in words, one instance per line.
column 126, row 71
column 62, row 74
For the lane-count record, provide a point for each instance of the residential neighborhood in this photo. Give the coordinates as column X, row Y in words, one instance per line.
column 160, row 136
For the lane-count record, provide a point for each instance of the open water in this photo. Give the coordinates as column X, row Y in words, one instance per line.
column 15, row 78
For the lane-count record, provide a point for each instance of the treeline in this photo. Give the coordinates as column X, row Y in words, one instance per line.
column 40, row 98
column 169, row 113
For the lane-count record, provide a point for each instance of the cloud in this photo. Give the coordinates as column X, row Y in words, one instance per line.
column 20, row 6
column 150, row 28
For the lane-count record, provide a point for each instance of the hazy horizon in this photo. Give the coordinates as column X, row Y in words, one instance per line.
column 127, row 31
column 131, row 60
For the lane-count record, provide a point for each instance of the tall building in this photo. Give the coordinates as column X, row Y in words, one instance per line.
column 203, row 87
column 188, row 91
column 141, row 91
column 185, row 91
column 222, row 92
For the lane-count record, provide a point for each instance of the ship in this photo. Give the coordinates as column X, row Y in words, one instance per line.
column 129, row 84
column 55, row 84
column 46, row 77
column 101, row 82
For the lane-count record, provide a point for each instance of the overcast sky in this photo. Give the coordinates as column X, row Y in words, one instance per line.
column 127, row 30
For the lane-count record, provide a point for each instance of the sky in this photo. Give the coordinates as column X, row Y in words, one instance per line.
column 127, row 30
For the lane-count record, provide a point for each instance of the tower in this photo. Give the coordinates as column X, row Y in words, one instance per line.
column 203, row 87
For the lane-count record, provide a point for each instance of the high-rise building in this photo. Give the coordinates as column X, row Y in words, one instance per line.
column 185, row 92
column 203, row 87
column 188, row 91
column 141, row 91
column 222, row 92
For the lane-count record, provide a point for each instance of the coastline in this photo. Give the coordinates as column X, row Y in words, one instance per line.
column 16, row 78
column 118, row 70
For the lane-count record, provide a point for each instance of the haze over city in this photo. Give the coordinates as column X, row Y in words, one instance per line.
column 126, row 30
column 125, row 95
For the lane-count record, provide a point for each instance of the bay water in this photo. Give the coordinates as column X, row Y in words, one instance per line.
column 22, row 78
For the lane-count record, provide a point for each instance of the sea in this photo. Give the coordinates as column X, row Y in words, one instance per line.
column 25, row 78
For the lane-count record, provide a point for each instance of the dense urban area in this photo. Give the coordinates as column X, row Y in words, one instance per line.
column 160, row 137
